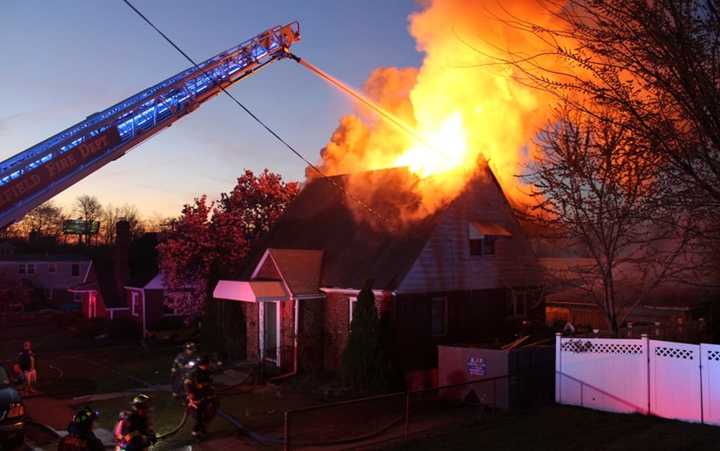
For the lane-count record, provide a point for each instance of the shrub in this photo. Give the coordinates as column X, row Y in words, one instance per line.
column 364, row 362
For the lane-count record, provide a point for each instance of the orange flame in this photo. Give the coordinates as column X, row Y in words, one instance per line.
column 467, row 108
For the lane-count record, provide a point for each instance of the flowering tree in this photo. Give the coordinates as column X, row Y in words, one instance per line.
column 211, row 240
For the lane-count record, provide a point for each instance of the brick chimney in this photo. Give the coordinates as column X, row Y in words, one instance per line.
column 120, row 255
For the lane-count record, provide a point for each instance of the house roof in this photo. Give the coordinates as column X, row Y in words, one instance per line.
column 104, row 276
column 44, row 258
column 321, row 219
column 300, row 269
column 84, row 287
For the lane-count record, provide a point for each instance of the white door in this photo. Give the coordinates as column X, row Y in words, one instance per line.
column 270, row 331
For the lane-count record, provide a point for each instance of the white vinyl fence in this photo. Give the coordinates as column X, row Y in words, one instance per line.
column 663, row 378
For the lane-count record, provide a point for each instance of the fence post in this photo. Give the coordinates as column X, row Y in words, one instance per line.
column 702, row 394
column 286, row 445
column 558, row 368
column 407, row 413
column 646, row 341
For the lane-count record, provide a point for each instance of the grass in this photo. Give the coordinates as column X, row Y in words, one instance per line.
column 560, row 428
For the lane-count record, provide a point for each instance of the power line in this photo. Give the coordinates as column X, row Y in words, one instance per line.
column 256, row 118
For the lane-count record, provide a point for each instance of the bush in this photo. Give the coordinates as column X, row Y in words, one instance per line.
column 364, row 361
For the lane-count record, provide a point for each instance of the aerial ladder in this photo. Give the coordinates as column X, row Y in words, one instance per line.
column 35, row 175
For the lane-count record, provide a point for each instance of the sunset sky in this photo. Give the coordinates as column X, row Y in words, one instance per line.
column 63, row 61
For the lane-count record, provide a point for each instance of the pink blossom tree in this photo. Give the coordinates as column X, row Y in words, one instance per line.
column 211, row 240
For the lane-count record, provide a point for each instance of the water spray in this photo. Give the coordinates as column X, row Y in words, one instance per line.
column 385, row 114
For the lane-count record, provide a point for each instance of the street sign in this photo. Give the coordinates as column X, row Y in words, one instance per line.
column 80, row 227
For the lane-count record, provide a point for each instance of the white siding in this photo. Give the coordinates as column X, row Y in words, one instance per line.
column 445, row 263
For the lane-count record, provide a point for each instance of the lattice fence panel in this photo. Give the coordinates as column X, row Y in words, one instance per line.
column 675, row 388
column 710, row 357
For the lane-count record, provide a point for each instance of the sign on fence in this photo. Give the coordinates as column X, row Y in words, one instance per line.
column 671, row 380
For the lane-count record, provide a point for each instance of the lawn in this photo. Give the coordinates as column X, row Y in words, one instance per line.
column 560, row 428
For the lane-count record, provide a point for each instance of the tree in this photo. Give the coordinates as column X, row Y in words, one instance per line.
column 656, row 64
column 185, row 255
column 90, row 210
column 211, row 241
column 247, row 212
column 45, row 220
column 111, row 215
column 596, row 184
column 364, row 362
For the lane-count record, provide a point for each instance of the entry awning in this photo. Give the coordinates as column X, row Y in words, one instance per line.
column 478, row 230
column 252, row 291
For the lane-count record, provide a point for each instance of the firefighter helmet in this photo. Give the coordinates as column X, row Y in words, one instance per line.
column 85, row 416
column 190, row 346
column 141, row 401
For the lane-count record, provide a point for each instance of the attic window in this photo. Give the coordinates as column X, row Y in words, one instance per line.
column 482, row 237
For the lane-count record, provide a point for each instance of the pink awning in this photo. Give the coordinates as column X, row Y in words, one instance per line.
column 252, row 291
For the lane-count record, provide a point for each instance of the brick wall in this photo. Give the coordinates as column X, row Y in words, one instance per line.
column 336, row 329
column 252, row 316
column 287, row 334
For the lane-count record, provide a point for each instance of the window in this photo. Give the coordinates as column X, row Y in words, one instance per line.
column 31, row 268
column 21, row 268
column 135, row 303
column 482, row 246
column 51, row 267
column 352, row 303
column 75, row 270
column 482, row 237
column 438, row 312
column 523, row 300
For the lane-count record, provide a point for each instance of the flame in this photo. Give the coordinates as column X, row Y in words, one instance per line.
column 466, row 108
column 440, row 151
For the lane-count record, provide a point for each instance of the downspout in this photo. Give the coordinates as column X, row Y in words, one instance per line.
column 296, row 323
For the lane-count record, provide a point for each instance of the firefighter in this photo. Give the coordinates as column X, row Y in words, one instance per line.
column 181, row 365
column 133, row 431
column 201, row 401
column 80, row 433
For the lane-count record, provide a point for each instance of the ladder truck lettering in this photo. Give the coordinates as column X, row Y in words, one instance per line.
column 58, row 167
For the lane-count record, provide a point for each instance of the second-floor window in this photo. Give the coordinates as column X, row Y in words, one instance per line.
column 75, row 270
column 482, row 246
column 31, row 268
column 21, row 268
column 51, row 267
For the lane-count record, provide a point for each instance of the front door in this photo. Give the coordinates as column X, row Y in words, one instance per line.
column 270, row 331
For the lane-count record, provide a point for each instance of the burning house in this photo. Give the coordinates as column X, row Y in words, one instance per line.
column 458, row 274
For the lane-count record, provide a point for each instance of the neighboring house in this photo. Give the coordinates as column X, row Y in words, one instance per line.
column 670, row 310
column 146, row 302
column 53, row 274
column 102, row 294
column 459, row 275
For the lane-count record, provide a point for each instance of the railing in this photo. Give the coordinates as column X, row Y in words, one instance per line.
column 394, row 416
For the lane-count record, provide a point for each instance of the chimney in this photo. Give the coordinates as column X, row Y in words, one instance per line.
column 120, row 255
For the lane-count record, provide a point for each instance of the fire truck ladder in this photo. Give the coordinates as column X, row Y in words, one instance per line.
column 35, row 175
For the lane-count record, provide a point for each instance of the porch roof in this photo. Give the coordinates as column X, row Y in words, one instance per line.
column 251, row 291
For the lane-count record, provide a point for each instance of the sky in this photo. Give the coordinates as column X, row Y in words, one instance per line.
column 64, row 60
